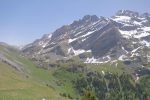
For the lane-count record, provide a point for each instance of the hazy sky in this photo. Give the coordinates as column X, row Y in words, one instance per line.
column 23, row 21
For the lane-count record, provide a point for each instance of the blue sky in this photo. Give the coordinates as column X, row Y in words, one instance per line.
column 23, row 21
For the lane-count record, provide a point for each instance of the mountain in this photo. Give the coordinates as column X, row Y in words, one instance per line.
column 94, row 57
column 124, row 36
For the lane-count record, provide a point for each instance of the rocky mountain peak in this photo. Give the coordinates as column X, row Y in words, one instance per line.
column 92, row 18
column 146, row 15
column 96, row 39
column 60, row 31
column 85, row 20
column 127, row 13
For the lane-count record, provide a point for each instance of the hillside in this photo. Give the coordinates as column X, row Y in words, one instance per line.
column 20, row 79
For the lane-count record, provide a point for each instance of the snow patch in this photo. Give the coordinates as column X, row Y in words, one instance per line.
column 108, row 58
column 142, row 66
column 124, row 49
column 77, row 52
column 122, row 18
column 50, row 35
column 122, row 57
column 91, row 60
column 94, row 61
column 88, row 33
column 85, row 35
column 78, row 33
column 146, row 29
column 136, row 49
column 128, row 34
column 71, row 40
column 145, row 43
column 88, row 51
column 142, row 34
column 137, row 23
column 135, row 54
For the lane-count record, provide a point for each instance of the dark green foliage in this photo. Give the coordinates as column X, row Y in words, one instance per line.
column 76, row 68
column 144, row 87
column 113, row 87
column 89, row 96
column 92, row 85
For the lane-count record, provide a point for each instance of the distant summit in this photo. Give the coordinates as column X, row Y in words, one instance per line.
column 127, row 13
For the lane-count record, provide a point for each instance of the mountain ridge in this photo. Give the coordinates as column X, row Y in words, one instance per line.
column 98, row 39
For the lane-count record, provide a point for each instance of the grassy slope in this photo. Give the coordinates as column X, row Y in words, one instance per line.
column 65, row 78
column 107, row 67
column 16, row 86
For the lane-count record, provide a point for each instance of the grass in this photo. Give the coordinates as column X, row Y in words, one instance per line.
column 107, row 67
column 63, row 79
column 114, row 68
column 16, row 85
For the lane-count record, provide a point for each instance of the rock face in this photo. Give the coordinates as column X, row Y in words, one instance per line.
column 124, row 36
